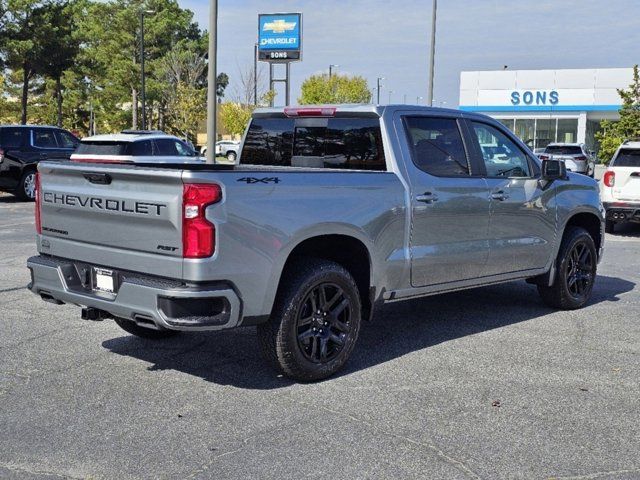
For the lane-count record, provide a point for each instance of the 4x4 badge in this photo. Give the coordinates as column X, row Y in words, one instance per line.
column 253, row 180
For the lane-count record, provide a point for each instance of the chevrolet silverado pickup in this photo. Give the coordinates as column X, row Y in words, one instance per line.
column 331, row 212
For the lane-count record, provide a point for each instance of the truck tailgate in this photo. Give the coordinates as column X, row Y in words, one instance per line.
column 115, row 216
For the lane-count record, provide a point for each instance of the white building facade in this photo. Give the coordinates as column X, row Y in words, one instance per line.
column 544, row 106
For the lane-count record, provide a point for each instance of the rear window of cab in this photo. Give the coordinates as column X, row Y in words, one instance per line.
column 337, row 143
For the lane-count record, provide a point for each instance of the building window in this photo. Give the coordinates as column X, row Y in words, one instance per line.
column 507, row 122
column 525, row 130
column 567, row 130
column 545, row 132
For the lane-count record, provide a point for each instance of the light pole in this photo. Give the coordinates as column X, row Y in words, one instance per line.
column 404, row 99
column 432, row 55
column 390, row 93
column 331, row 67
column 418, row 100
column 212, row 105
column 380, row 79
column 142, row 92
column 255, row 75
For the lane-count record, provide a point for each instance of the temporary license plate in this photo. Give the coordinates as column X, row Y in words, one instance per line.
column 104, row 280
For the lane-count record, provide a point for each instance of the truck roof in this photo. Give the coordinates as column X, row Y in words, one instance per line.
column 364, row 108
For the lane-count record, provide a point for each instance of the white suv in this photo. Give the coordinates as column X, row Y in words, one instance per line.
column 620, row 186
column 576, row 157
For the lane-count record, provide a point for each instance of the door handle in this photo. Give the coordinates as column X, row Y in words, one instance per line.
column 427, row 197
column 499, row 195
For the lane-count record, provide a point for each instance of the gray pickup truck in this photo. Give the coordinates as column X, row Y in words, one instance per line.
column 331, row 212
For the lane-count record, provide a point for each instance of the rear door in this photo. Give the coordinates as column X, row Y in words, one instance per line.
column 627, row 180
column 450, row 206
column 67, row 144
column 523, row 216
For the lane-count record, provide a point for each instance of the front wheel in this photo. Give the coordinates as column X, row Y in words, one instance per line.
column 315, row 321
column 142, row 332
column 576, row 268
column 231, row 156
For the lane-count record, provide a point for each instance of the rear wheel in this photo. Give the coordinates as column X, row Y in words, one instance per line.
column 609, row 226
column 231, row 156
column 142, row 332
column 576, row 268
column 27, row 187
column 315, row 322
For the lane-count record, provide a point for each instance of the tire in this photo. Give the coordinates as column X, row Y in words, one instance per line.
column 231, row 156
column 576, row 268
column 27, row 188
column 142, row 332
column 609, row 226
column 300, row 342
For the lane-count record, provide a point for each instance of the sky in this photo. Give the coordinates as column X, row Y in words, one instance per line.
column 390, row 39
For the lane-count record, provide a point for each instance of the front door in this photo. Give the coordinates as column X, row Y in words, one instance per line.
column 523, row 216
column 450, row 207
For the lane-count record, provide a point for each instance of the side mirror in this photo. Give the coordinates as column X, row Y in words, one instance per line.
column 553, row 170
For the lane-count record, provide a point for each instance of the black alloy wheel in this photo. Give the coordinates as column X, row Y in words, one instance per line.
column 324, row 321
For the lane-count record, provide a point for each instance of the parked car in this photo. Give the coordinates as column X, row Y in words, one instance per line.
column 225, row 148
column 22, row 147
column 332, row 212
column 135, row 146
column 620, row 186
column 576, row 156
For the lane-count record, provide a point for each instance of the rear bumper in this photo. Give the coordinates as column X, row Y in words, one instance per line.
column 622, row 211
column 150, row 302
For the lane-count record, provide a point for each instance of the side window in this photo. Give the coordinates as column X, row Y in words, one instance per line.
column 502, row 157
column 437, row 147
column 183, row 149
column 165, row 147
column 142, row 149
column 44, row 138
column 11, row 137
column 66, row 140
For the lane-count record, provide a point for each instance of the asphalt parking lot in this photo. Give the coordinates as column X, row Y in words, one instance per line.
column 487, row 383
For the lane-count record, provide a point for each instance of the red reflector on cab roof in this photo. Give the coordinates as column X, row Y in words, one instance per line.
column 310, row 111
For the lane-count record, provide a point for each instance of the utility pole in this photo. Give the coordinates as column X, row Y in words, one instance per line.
column 143, row 91
column 255, row 75
column 212, row 104
column 404, row 99
column 379, row 87
column 432, row 55
column 331, row 67
column 418, row 100
column 390, row 93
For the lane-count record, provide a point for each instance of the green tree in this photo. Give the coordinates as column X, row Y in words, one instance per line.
column 234, row 117
column 322, row 89
column 61, row 46
column 614, row 133
column 185, row 110
column 24, row 32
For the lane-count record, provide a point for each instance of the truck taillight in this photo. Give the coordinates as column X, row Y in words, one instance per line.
column 38, row 204
column 543, row 157
column 609, row 178
column 198, row 234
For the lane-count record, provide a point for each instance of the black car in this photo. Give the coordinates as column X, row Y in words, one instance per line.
column 22, row 147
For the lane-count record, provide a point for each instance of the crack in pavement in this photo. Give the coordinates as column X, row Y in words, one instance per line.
column 14, row 289
column 434, row 448
column 30, row 471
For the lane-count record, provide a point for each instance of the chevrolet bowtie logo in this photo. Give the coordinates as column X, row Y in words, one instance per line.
column 279, row 26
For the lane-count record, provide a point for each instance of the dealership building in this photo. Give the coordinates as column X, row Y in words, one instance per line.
column 544, row 106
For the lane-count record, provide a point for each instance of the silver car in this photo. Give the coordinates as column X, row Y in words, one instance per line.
column 576, row 157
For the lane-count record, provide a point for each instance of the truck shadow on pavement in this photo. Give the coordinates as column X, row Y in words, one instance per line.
column 232, row 357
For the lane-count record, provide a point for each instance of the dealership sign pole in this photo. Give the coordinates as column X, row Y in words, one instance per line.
column 280, row 41
column 212, row 110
